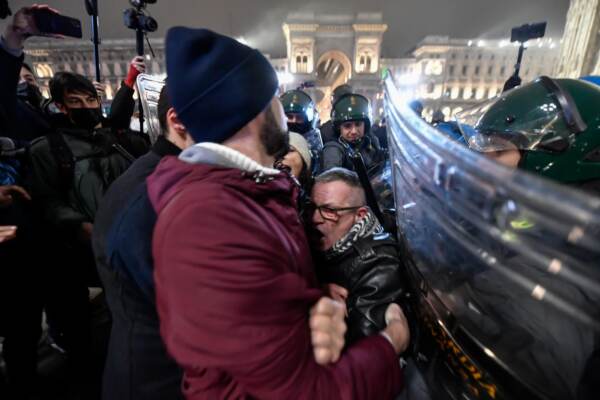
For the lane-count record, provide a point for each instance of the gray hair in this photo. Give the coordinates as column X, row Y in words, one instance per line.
column 339, row 174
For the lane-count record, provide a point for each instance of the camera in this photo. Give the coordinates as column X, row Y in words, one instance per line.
column 135, row 18
column 527, row 32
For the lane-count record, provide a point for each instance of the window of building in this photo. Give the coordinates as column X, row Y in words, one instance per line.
column 453, row 56
column 477, row 69
column 502, row 70
column 467, row 93
column 455, row 93
column 490, row 70
column 451, row 70
column 493, row 57
column 430, row 87
column 479, row 56
column 301, row 63
column 464, row 70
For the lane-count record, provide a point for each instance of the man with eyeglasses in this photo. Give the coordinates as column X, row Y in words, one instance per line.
column 358, row 259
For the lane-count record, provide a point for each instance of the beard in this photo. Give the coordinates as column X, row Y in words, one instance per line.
column 275, row 140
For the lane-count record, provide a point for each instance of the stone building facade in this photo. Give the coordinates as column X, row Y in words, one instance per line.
column 580, row 52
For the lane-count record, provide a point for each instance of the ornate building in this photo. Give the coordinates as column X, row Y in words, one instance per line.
column 453, row 74
column 335, row 49
column 328, row 50
column 51, row 56
column 580, row 52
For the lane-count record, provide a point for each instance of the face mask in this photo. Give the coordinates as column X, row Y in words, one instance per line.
column 298, row 128
column 86, row 118
column 29, row 93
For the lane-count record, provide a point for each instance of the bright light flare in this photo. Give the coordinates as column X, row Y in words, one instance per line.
column 285, row 78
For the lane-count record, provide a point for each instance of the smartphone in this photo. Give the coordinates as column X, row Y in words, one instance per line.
column 51, row 23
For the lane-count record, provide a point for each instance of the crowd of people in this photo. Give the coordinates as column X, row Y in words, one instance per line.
column 221, row 264
column 240, row 255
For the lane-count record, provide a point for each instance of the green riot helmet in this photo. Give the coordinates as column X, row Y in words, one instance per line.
column 555, row 124
column 339, row 92
column 300, row 110
column 351, row 107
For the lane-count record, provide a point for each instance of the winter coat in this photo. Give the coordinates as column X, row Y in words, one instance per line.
column 18, row 119
column 371, row 272
column 335, row 154
column 235, row 282
column 71, row 197
column 137, row 365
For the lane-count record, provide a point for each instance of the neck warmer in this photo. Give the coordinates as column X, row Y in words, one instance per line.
column 367, row 226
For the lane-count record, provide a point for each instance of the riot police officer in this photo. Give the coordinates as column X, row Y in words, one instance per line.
column 548, row 127
column 351, row 118
column 302, row 118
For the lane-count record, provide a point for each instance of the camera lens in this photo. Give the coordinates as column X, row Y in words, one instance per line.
column 149, row 24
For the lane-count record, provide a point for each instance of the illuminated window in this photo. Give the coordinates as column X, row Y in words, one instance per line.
column 454, row 94
column 467, row 93
column 480, row 93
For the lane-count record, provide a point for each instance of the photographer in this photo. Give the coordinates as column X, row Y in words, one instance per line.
column 21, row 113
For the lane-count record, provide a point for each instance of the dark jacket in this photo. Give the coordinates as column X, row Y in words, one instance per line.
column 234, row 285
column 371, row 271
column 336, row 154
column 18, row 119
column 70, row 197
column 137, row 364
column 327, row 132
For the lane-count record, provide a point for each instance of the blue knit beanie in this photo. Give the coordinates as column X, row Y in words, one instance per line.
column 216, row 84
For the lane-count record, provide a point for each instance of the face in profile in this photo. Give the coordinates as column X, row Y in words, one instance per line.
column 274, row 135
column 294, row 161
column 337, row 208
column 509, row 156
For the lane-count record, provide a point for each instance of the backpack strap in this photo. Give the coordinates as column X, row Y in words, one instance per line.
column 64, row 158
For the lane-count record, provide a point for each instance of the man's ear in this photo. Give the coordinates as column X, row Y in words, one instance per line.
column 360, row 213
column 173, row 121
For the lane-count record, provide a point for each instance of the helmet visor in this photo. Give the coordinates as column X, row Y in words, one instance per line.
column 497, row 125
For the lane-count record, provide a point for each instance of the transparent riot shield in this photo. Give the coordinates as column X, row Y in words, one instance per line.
column 149, row 87
column 505, row 267
column 382, row 185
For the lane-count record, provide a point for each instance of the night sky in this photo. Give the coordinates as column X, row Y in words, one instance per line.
column 260, row 21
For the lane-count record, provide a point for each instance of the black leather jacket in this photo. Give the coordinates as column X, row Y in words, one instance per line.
column 372, row 272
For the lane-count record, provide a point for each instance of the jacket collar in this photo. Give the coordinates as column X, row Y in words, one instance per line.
column 223, row 156
column 164, row 147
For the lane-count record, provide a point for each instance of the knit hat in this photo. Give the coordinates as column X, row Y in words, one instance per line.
column 300, row 144
column 216, row 84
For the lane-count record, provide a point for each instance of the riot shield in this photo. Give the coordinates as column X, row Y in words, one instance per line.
column 149, row 87
column 505, row 267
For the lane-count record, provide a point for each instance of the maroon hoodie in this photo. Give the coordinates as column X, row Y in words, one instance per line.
column 234, row 285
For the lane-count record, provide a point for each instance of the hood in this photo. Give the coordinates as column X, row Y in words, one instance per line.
column 217, row 166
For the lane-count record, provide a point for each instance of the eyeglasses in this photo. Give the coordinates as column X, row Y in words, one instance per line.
column 329, row 213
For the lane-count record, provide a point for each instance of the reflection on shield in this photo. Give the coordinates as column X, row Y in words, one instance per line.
column 149, row 88
column 505, row 267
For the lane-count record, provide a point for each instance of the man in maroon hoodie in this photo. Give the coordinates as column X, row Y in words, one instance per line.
column 234, row 278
